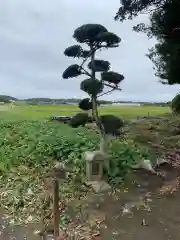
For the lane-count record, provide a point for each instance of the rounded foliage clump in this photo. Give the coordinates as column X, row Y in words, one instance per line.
column 111, row 123
column 92, row 87
column 112, row 77
column 87, row 33
column 99, row 65
column 175, row 104
column 80, row 119
column 85, row 104
column 108, row 37
column 72, row 71
column 85, row 54
column 73, row 51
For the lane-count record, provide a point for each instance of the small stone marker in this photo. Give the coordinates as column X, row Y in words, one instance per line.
column 59, row 174
column 94, row 171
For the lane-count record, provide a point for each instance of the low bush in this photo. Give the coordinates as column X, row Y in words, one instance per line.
column 175, row 104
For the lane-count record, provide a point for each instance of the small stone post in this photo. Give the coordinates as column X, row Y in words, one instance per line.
column 59, row 174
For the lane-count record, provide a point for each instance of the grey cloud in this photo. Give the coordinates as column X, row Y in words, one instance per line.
column 34, row 34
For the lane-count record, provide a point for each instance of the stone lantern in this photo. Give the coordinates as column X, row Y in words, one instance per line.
column 94, row 170
column 94, row 165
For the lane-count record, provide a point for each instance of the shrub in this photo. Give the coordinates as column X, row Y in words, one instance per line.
column 175, row 104
column 111, row 124
column 79, row 119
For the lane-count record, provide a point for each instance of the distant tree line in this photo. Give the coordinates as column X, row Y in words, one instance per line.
column 36, row 101
column 7, row 99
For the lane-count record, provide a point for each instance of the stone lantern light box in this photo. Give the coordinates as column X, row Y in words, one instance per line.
column 94, row 165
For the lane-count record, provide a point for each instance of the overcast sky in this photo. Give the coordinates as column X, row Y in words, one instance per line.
column 34, row 34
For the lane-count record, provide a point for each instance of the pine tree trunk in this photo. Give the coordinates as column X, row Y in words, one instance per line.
column 95, row 113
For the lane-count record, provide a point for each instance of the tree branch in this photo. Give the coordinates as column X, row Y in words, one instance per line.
column 114, row 87
column 93, row 51
column 109, row 46
column 106, row 93
column 86, row 72
column 90, row 53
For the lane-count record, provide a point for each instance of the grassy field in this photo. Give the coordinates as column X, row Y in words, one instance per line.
column 30, row 145
column 46, row 111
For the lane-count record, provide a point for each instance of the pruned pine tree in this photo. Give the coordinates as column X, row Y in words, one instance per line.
column 96, row 37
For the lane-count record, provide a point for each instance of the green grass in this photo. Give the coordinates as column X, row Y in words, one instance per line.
column 130, row 112
column 46, row 111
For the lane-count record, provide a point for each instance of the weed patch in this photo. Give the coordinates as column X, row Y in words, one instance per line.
column 29, row 149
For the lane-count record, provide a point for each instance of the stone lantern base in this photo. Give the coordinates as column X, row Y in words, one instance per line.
column 99, row 186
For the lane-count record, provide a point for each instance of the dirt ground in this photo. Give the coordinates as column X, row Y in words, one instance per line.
column 147, row 209
column 150, row 210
